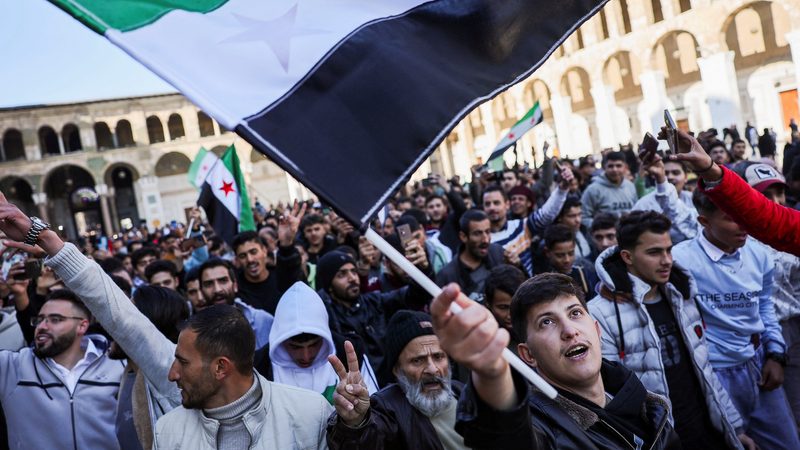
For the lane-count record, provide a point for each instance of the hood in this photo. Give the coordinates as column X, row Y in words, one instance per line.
column 613, row 274
column 603, row 180
column 300, row 310
column 8, row 319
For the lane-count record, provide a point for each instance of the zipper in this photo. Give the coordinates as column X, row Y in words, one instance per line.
column 618, row 433
column 660, row 429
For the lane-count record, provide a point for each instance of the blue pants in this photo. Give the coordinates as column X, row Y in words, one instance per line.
column 766, row 414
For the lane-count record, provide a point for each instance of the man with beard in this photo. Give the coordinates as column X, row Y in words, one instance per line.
column 417, row 411
column 219, row 286
column 476, row 256
column 60, row 394
column 444, row 217
column 610, row 192
column 226, row 405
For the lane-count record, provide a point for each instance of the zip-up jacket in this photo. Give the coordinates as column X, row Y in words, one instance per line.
column 675, row 205
column 629, row 336
column 40, row 411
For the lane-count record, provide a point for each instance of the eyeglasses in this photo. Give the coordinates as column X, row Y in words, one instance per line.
column 52, row 319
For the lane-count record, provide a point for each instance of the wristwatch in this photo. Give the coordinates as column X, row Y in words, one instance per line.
column 37, row 226
column 779, row 358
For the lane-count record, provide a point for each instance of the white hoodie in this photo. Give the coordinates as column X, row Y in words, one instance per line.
column 300, row 310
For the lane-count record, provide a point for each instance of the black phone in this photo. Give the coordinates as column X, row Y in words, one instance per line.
column 33, row 268
column 649, row 147
column 672, row 132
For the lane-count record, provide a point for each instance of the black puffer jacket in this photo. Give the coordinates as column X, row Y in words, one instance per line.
column 392, row 424
column 538, row 422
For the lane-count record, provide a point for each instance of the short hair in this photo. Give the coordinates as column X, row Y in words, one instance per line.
column 246, row 236
column 410, row 220
column 516, row 175
column 633, row 225
column 603, row 221
column 702, row 203
column 569, row 203
column 130, row 245
column 615, row 156
column 556, row 234
column 191, row 275
column 111, row 265
column 164, row 307
column 403, row 199
column 160, row 265
column 311, row 219
column 542, row 288
column 69, row 296
column 122, row 283
column 680, row 163
column 138, row 255
column 432, row 197
column 495, row 188
column 222, row 330
column 714, row 144
column 504, row 278
column 738, row 141
column 471, row 215
column 216, row 262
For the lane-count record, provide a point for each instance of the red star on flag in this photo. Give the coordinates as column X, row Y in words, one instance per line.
column 227, row 188
column 205, row 166
column 511, row 135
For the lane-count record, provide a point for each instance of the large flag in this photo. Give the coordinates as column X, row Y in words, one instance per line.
column 529, row 120
column 223, row 196
column 202, row 163
column 348, row 96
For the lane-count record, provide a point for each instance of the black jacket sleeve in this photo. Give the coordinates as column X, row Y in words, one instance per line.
column 288, row 268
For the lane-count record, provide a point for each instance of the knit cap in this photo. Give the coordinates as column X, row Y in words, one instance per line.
column 328, row 265
column 403, row 327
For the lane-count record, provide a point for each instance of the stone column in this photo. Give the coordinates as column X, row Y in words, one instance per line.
column 562, row 111
column 102, row 191
column 604, row 106
column 151, row 204
column 655, row 100
column 722, row 89
column 112, row 208
column 40, row 199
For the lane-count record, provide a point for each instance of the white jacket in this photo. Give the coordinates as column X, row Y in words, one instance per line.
column 288, row 418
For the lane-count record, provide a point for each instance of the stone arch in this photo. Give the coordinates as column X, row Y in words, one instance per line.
column 172, row 163
column 71, row 137
column 756, row 34
column 205, row 124
column 124, row 134
column 175, row 126
column 103, row 136
column 155, row 130
column 537, row 90
column 73, row 204
column 621, row 72
column 121, row 177
column 504, row 110
column 19, row 192
column 256, row 156
column 13, row 146
column 576, row 85
column 219, row 150
column 676, row 53
column 48, row 141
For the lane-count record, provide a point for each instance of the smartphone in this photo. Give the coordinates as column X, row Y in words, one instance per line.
column 10, row 260
column 404, row 232
column 672, row 132
column 649, row 147
column 33, row 268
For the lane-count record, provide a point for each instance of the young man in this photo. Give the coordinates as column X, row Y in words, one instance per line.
column 417, row 411
column 603, row 233
column 738, row 150
column 516, row 236
column 559, row 252
column 570, row 216
column 162, row 273
column 316, row 240
column 719, row 153
column 522, row 201
column 503, row 282
column 669, row 198
column 142, row 258
column 444, row 215
column 646, row 302
column 476, row 256
column 610, row 192
column 601, row 404
column 746, row 348
column 510, row 180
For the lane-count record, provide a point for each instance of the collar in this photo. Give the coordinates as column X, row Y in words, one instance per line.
column 640, row 288
column 713, row 252
column 91, row 353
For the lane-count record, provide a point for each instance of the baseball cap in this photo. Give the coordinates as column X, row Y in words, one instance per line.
column 762, row 176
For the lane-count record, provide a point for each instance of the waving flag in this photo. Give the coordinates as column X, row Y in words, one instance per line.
column 202, row 163
column 531, row 119
column 349, row 96
column 223, row 196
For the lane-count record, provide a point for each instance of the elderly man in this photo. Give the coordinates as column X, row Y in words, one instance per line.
column 417, row 411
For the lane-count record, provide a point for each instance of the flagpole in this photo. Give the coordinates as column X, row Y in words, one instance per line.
column 435, row 290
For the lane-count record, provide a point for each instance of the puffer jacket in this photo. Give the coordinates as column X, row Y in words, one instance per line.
column 628, row 335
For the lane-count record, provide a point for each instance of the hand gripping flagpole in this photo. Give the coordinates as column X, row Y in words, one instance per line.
column 435, row 290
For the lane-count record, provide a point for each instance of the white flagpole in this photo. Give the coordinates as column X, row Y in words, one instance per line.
column 435, row 290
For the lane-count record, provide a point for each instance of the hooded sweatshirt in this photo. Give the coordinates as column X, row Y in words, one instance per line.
column 605, row 196
column 10, row 332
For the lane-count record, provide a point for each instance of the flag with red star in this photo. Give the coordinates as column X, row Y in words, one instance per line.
column 223, row 196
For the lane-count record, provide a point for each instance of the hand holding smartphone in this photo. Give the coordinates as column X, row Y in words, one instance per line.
column 672, row 132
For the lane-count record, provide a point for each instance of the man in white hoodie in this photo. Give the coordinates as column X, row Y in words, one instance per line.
column 300, row 342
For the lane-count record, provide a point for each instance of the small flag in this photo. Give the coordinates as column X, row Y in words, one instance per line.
column 531, row 119
column 223, row 196
column 200, row 167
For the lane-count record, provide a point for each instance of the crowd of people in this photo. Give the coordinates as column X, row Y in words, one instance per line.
column 633, row 286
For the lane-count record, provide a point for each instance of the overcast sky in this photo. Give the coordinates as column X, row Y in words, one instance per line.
column 49, row 57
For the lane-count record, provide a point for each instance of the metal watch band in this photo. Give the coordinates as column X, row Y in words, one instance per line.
column 37, row 226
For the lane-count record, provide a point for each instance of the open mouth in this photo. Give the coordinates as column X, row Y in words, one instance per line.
column 430, row 385
column 576, row 351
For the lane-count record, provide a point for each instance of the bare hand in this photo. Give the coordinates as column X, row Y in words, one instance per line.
column 289, row 222
column 566, row 178
column 511, row 258
column 771, row 375
column 18, row 287
column 747, row 443
column 654, row 166
column 351, row 398
column 693, row 154
column 416, row 254
column 13, row 222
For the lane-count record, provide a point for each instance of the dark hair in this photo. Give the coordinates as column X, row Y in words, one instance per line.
column 222, row 330
column 680, row 163
column 556, row 234
column 164, row 307
column 111, row 265
column 216, row 262
column 130, row 245
column 738, row 141
column 417, row 214
column 69, row 296
column 702, row 203
column 569, row 203
column 471, row 215
column 542, row 288
column 632, row 226
column 615, row 156
column 504, row 278
column 160, row 265
column 714, row 144
column 191, row 275
column 408, row 219
column 433, row 197
column 495, row 188
column 138, row 255
column 246, row 236
column 603, row 221
column 505, row 171
column 311, row 219
column 122, row 283
column 403, row 199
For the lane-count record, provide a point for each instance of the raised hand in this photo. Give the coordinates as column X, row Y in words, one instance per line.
column 512, row 258
column 13, row 222
column 566, row 177
column 289, row 223
column 416, row 254
column 367, row 252
column 351, row 398
column 694, row 155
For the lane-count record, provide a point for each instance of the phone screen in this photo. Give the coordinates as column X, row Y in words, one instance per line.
column 672, row 132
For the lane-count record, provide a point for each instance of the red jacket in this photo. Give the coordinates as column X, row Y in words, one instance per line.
column 765, row 220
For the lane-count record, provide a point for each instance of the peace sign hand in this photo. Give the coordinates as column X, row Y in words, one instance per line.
column 290, row 222
column 351, row 398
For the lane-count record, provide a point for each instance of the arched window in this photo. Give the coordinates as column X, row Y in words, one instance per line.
column 676, row 56
column 173, row 163
column 625, row 17
column 124, row 134
column 757, row 34
column 155, row 131
column 13, row 147
column 505, row 111
column 619, row 73
column 658, row 14
column 685, row 5
column 575, row 84
column 103, row 136
column 71, row 137
column 537, row 91
column 205, row 124
column 175, row 125
column 48, row 141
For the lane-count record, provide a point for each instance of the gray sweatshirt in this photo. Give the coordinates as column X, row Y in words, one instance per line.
column 604, row 196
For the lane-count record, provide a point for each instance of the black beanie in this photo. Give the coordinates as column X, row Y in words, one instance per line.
column 404, row 326
column 328, row 265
